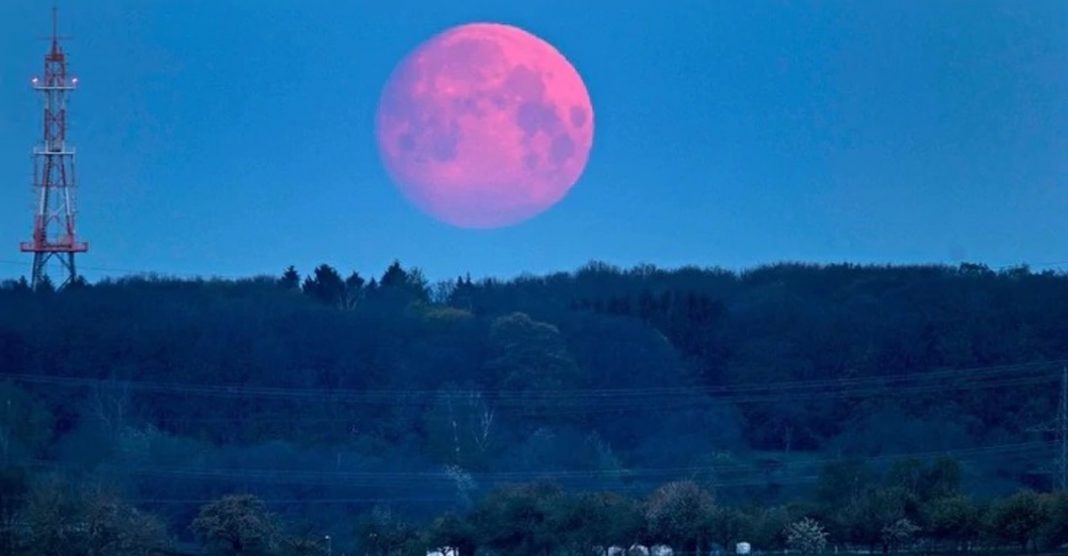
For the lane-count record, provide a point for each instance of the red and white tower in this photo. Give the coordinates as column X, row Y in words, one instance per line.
column 54, row 234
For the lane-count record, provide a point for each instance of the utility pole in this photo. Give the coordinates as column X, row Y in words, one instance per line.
column 1062, row 433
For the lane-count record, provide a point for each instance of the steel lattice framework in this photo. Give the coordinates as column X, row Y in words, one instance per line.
column 54, row 233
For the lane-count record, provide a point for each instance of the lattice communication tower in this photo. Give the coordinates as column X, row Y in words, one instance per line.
column 54, row 231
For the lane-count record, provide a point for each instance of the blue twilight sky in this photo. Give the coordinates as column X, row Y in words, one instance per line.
column 236, row 137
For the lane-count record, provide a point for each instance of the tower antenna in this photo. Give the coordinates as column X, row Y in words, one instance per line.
column 54, row 231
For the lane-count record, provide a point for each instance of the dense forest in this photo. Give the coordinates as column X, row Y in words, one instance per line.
column 337, row 402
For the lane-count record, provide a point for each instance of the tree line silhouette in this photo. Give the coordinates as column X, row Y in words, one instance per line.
column 362, row 389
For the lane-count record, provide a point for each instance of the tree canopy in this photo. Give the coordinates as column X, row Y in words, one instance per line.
column 356, row 388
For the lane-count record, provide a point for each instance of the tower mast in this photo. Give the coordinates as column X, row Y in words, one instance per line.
column 54, row 228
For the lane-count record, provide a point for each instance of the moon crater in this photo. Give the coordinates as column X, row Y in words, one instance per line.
column 485, row 125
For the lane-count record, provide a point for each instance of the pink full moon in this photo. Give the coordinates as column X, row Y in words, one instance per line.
column 485, row 125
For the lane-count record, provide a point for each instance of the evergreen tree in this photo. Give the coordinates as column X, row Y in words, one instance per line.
column 290, row 279
column 325, row 286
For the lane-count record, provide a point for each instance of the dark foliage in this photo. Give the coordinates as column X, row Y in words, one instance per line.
column 354, row 391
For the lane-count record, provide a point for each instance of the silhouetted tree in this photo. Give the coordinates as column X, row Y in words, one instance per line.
column 63, row 519
column 953, row 519
column 806, row 536
column 326, row 286
column 237, row 525
column 384, row 533
column 520, row 520
column 1018, row 519
column 677, row 514
column 353, row 290
column 451, row 531
column 290, row 279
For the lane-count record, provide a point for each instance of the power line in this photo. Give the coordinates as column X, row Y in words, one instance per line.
column 146, row 272
column 744, row 391
column 412, row 478
column 568, row 403
column 1047, row 264
column 416, row 481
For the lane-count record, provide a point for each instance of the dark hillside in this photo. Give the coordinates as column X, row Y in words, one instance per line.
column 359, row 390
